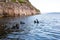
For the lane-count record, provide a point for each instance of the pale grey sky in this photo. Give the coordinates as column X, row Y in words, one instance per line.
column 47, row 5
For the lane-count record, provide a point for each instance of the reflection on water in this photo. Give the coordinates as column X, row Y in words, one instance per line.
column 47, row 29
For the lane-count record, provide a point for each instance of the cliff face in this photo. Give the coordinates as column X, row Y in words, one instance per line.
column 17, row 9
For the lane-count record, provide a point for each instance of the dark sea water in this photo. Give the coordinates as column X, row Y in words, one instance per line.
column 47, row 29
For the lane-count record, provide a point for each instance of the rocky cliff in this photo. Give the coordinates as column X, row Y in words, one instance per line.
column 19, row 8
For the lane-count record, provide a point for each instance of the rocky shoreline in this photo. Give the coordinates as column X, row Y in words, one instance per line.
column 17, row 9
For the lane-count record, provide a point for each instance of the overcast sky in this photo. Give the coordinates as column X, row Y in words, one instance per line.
column 47, row 5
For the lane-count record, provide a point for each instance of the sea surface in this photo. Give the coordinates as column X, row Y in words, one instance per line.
column 48, row 27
